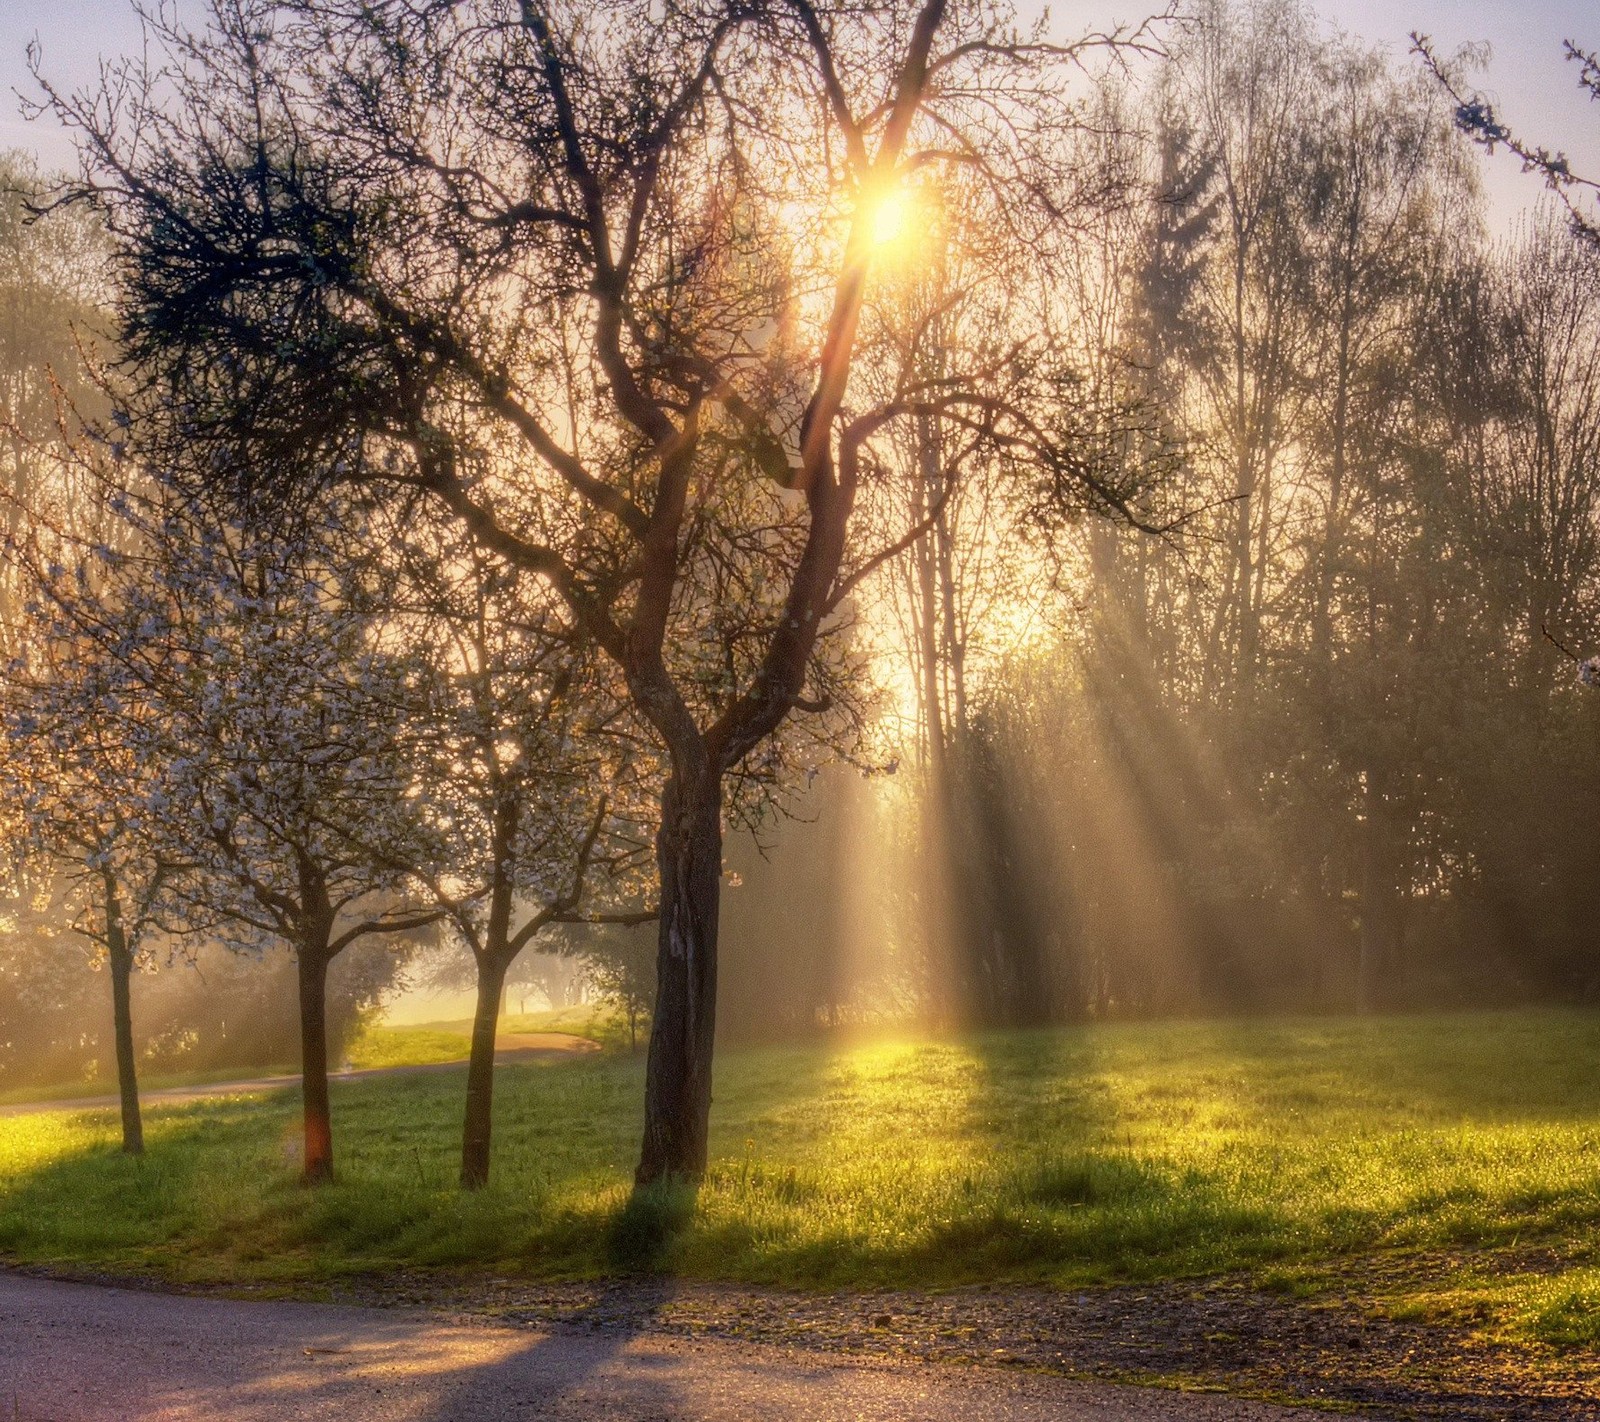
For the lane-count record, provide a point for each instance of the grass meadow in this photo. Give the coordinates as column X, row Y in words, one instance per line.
column 376, row 1045
column 380, row 1045
column 1293, row 1150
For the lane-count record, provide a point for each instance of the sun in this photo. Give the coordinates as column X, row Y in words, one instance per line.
column 887, row 224
column 889, row 219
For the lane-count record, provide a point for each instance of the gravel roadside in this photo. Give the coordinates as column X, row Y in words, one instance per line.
column 77, row 1353
column 1336, row 1352
column 1223, row 1335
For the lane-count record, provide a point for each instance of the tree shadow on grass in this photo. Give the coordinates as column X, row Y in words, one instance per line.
column 1038, row 1156
column 1516, row 1066
column 1206, row 1146
column 216, row 1195
column 642, row 1233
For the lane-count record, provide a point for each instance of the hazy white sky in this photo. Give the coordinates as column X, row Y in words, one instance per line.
column 1536, row 91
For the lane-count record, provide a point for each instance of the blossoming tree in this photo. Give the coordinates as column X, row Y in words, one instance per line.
column 269, row 714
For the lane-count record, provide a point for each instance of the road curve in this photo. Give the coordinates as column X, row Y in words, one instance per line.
column 82, row 1353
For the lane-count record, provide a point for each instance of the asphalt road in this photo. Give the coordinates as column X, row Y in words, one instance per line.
column 81, row 1353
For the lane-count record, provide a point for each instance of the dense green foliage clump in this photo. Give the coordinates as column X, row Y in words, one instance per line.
column 1064, row 1157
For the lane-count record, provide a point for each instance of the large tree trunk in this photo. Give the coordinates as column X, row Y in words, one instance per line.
column 677, row 1108
column 476, row 1135
column 122, row 1022
column 313, row 974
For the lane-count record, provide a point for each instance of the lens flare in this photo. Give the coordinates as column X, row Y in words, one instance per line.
column 889, row 220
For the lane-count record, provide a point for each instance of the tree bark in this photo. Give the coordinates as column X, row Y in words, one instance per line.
column 313, row 975
column 479, row 1126
column 122, row 1022
column 677, row 1112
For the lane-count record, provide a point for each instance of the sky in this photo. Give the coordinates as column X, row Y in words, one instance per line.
column 1535, row 90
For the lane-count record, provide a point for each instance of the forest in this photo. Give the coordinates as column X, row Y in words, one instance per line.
column 1109, row 532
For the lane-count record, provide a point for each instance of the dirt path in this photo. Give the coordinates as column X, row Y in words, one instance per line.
column 510, row 1048
column 80, row 1353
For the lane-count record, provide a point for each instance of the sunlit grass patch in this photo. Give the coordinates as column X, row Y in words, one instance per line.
column 379, row 1044
column 1068, row 1157
column 1557, row 1306
column 67, row 1092
column 1563, row 1311
column 598, row 1021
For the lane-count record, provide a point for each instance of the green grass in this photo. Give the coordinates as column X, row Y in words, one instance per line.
column 148, row 1081
column 1559, row 1307
column 425, row 1043
column 376, row 1045
column 1071, row 1157
column 598, row 1021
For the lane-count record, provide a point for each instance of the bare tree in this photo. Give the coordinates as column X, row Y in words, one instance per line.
column 598, row 281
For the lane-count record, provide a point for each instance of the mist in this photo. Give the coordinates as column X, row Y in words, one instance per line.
column 1303, row 732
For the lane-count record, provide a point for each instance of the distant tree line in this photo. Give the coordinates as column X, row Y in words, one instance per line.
column 1324, row 747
